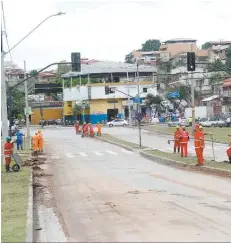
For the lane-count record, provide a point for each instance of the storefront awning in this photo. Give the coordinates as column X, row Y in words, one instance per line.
column 210, row 98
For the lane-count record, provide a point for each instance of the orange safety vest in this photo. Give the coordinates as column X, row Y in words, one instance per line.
column 202, row 139
column 197, row 139
column 177, row 135
column 8, row 149
column 99, row 127
column 184, row 137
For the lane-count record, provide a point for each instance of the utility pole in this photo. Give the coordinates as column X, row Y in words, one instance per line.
column 27, row 105
column 138, row 104
column 192, row 95
column 3, row 93
column 129, row 103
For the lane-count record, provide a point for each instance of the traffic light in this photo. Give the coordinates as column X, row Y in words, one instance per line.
column 191, row 59
column 76, row 62
column 107, row 90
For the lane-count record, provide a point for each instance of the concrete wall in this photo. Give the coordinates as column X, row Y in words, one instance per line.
column 97, row 91
column 48, row 114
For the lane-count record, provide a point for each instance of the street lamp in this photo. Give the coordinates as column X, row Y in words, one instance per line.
column 3, row 83
column 138, row 103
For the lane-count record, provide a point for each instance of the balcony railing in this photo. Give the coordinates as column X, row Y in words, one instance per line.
column 227, row 93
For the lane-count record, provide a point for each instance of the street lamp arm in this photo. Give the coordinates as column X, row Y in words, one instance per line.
column 60, row 13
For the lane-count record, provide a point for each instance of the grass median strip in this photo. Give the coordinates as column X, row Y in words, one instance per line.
column 220, row 134
column 188, row 160
column 119, row 141
column 14, row 204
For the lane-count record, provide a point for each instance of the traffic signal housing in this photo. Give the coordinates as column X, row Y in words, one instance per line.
column 191, row 61
column 107, row 90
column 76, row 62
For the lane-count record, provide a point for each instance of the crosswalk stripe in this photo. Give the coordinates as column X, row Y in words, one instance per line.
column 69, row 155
column 83, row 154
column 97, row 153
column 111, row 152
column 126, row 151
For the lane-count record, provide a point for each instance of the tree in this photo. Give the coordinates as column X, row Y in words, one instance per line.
column 215, row 66
column 18, row 102
column 228, row 60
column 128, row 58
column 206, row 46
column 62, row 69
column 153, row 100
column 151, row 45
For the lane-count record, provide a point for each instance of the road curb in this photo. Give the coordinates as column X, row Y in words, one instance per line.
column 173, row 163
column 115, row 143
column 29, row 222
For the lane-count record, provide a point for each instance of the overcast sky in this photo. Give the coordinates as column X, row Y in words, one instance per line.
column 108, row 30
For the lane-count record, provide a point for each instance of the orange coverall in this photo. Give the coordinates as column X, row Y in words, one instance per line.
column 177, row 135
column 184, row 143
column 35, row 143
column 76, row 127
column 40, row 141
column 8, row 151
column 229, row 151
column 99, row 128
column 198, row 137
column 91, row 130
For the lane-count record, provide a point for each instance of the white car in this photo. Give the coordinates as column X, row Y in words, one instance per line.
column 117, row 122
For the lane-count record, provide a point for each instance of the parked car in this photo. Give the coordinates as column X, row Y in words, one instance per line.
column 117, row 122
column 59, row 121
column 69, row 123
column 182, row 122
column 51, row 122
column 213, row 122
column 228, row 122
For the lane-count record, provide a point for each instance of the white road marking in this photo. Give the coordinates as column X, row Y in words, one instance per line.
column 97, row 153
column 126, row 151
column 69, row 155
column 83, row 154
column 111, row 152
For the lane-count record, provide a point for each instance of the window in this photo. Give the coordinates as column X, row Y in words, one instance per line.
column 145, row 90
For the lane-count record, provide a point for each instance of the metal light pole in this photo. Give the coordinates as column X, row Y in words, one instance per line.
column 27, row 105
column 3, row 84
column 138, row 104
column 192, row 96
column 129, row 104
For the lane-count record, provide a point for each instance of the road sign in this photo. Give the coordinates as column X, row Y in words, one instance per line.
column 139, row 116
column 174, row 94
column 27, row 112
column 136, row 100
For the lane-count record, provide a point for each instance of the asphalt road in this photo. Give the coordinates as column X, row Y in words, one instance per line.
column 160, row 141
column 105, row 193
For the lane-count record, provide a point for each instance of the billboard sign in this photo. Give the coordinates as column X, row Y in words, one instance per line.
column 174, row 94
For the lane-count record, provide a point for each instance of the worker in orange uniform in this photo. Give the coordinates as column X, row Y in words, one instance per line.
column 198, row 137
column 84, row 129
column 229, row 151
column 184, row 138
column 40, row 140
column 99, row 129
column 35, row 143
column 77, row 127
column 8, row 151
column 177, row 136
column 91, row 130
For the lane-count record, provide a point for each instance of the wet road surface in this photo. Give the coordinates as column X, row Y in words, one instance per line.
column 105, row 193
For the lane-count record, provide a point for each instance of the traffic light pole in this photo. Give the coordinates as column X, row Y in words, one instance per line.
column 138, row 104
column 192, row 100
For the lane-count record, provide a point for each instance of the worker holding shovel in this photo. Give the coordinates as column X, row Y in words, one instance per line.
column 229, row 150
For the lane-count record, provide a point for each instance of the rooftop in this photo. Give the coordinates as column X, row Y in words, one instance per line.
column 108, row 67
column 178, row 40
